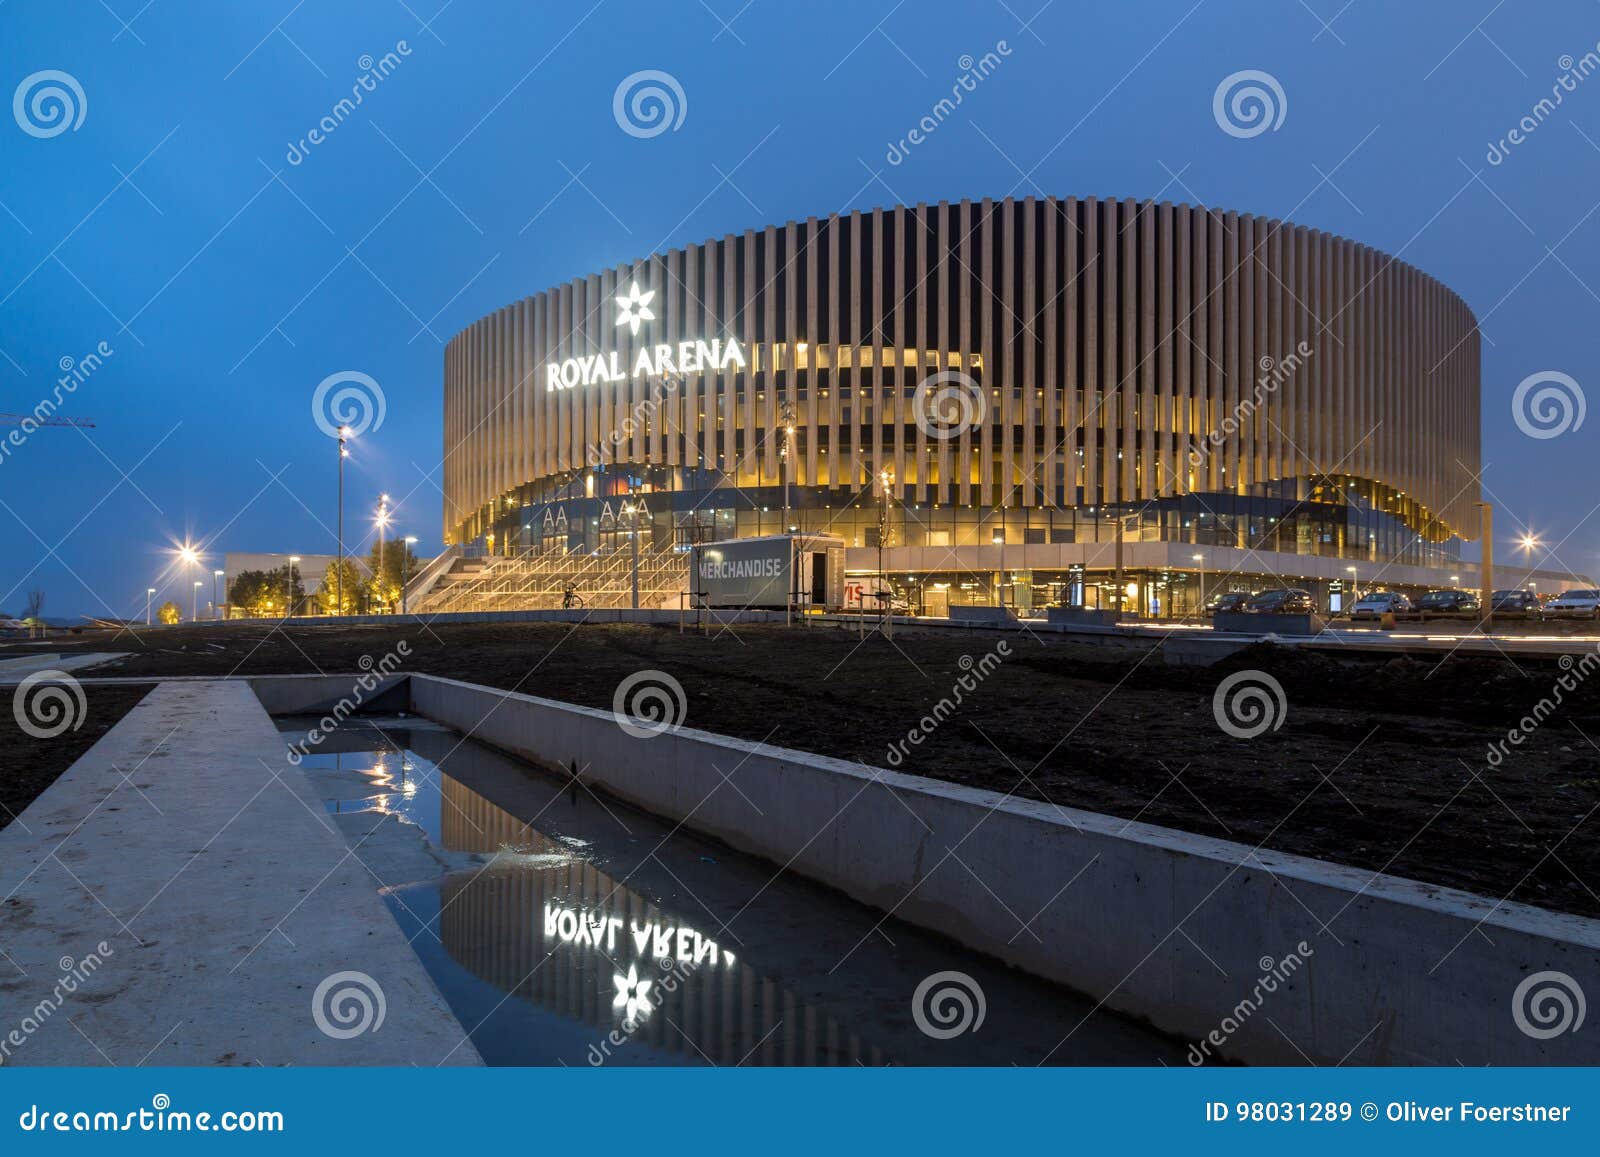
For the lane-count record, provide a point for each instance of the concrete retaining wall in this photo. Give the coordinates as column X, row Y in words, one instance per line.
column 314, row 694
column 1174, row 928
column 1247, row 623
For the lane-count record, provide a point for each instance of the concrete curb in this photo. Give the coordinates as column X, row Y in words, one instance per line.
column 1178, row 929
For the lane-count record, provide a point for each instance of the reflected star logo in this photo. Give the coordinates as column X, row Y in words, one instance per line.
column 634, row 307
column 630, row 994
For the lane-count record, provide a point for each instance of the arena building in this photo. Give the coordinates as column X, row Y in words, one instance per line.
column 982, row 398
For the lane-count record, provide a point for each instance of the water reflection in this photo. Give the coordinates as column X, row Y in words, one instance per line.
column 584, row 932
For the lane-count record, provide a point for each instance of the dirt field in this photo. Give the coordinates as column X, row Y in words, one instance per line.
column 29, row 765
column 1380, row 763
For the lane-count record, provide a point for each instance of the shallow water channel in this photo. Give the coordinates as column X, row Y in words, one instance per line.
column 564, row 927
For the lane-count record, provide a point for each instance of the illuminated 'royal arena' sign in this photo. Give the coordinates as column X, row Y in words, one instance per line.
column 686, row 357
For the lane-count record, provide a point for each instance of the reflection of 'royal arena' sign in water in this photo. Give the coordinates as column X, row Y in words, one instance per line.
column 593, row 928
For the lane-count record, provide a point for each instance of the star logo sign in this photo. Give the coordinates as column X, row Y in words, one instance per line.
column 634, row 307
column 630, row 995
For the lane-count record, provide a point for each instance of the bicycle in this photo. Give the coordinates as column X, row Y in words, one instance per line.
column 571, row 599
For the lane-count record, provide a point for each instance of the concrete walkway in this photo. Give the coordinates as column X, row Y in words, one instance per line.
column 178, row 896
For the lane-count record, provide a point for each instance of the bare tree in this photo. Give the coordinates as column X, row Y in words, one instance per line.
column 35, row 607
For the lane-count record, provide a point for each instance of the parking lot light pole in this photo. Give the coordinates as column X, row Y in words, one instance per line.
column 1200, row 603
column 216, row 597
column 149, row 593
column 405, row 554
column 1486, row 569
column 194, row 601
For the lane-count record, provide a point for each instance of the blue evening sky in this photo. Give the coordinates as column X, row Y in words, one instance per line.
column 228, row 282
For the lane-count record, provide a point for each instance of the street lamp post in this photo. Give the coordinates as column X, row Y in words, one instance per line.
column 289, row 601
column 405, row 555
column 338, row 565
column 216, row 587
column 1354, row 593
column 149, row 593
column 383, row 521
column 194, row 601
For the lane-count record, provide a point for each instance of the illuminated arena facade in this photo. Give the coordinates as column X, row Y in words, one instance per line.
column 989, row 390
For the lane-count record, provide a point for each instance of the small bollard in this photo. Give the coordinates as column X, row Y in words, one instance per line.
column 1386, row 623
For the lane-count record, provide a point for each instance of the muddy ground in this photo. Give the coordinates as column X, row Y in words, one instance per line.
column 29, row 764
column 1379, row 763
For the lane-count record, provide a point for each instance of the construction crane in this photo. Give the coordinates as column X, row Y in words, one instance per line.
column 19, row 419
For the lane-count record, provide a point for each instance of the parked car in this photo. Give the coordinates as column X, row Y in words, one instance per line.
column 1283, row 601
column 1229, row 601
column 1376, row 604
column 1447, row 605
column 1579, row 603
column 1516, row 604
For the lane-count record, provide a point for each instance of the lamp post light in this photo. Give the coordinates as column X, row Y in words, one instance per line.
column 149, row 593
column 194, row 601
column 289, row 601
column 1353, row 592
column 786, row 458
column 382, row 520
column 216, row 586
column 998, row 538
column 405, row 555
column 338, row 566
column 1201, row 604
